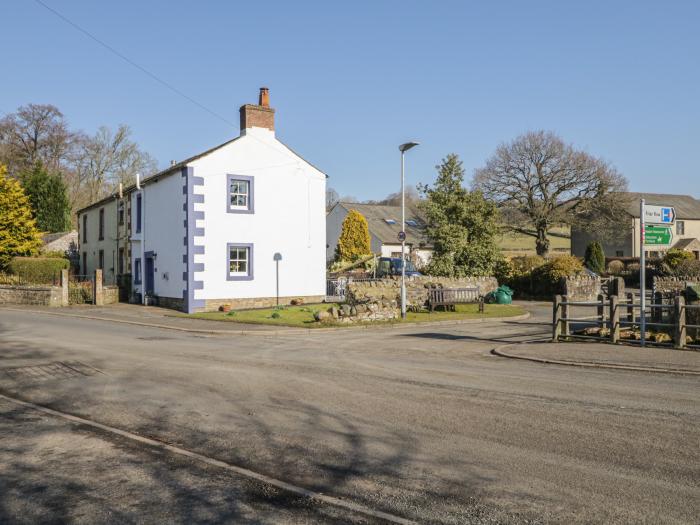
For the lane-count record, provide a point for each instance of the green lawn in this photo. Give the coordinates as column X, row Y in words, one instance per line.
column 303, row 316
column 512, row 243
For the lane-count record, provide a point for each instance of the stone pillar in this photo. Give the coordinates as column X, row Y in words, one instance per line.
column 97, row 293
column 65, row 300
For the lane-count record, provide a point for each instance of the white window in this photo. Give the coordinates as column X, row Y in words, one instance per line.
column 240, row 262
column 239, row 194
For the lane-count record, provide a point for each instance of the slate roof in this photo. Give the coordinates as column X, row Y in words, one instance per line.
column 687, row 207
column 376, row 215
column 687, row 244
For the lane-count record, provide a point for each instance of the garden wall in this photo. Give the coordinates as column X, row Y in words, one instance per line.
column 416, row 288
column 582, row 288
column 31, row 295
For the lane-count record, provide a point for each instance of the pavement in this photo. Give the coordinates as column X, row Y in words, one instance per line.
column 418, row 424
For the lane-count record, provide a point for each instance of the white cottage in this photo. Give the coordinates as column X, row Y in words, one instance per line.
column 241, row 224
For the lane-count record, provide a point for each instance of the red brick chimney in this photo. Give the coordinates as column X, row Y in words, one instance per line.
column 260, row 116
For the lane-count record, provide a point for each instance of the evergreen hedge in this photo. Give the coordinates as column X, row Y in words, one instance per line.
column 39, row 270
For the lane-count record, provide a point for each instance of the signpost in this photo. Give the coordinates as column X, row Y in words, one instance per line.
column 658, row 233
column 659, row 214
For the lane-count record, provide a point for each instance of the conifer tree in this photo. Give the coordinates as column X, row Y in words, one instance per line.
column 18, row 233
column 461, row 224
column 48, row 196
column 354, row 241
column 595, row 257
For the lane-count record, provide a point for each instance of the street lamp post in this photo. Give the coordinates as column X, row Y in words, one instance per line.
column 403, row 148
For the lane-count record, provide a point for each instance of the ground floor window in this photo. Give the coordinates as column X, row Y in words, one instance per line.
column 120, row 262
column 101, row 260
column 84, row 267
column 240, row 262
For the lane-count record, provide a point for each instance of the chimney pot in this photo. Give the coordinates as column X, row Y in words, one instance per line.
column 264, row 98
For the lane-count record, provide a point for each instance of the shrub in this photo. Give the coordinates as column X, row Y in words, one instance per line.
column 595, row 258
column 523, row 265
column 546, row 280
column 674, row 257
column 503, row 270
column 53, row 254
column 38, row 270
column 688, row 268
column 616, row 267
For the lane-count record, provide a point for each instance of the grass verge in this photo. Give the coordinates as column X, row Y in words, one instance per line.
column 303, row 316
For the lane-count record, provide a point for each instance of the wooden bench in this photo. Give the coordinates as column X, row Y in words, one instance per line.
column 448, row 298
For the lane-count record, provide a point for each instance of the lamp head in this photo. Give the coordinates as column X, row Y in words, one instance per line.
column 407, row 146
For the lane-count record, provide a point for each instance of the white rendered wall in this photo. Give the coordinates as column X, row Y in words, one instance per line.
column 289, row 218
column 164, row 233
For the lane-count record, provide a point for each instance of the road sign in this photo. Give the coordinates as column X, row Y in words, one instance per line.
column 659, row 214
column 402, row 236
column 657, row 235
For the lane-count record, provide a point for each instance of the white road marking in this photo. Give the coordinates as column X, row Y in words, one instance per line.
column 289, row 487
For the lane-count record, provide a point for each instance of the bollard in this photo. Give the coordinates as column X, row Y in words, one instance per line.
column 614, row 319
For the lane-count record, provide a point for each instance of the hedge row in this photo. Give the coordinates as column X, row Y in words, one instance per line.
column 39, row 270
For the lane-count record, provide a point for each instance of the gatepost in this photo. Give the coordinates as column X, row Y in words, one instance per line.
column 65, row 300
column 97, row 294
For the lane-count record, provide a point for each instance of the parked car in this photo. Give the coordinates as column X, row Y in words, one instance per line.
column 388, row 266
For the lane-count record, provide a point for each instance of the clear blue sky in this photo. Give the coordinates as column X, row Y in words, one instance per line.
column 352, row 80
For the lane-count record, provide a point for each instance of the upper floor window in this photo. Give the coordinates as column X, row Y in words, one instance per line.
column 138, row 213
column 101, row 235
column 120, row 213
column 239, row 195
column 680, row 227
column 85, row 228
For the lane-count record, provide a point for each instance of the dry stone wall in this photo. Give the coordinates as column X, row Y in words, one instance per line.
column 417, row 289
column 582, row 288
column 31, row 295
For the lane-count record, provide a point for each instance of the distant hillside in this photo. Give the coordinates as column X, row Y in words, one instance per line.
column 513, row 244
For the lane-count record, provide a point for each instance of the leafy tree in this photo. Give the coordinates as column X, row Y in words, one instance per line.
column 48, row 196
column 354, row 241
column 461, row 224
column 18, row 232
column 594, row 258
column 542, row 182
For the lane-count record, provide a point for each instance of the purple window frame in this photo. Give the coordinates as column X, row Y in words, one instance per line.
column 251, row 193
column 249, row 276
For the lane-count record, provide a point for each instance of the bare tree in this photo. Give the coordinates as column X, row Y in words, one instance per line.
column 543, row 182
column 103, row 161
column 36, row 133
column 394, row 199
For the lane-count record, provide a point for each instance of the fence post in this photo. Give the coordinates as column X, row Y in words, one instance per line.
column 97, row 295
column 657, row 313
column 614, row 319
column 556, row 319
column 601, row 309
column 630, row 307
column 65, row 300
column 679, row 311
column 565, row 316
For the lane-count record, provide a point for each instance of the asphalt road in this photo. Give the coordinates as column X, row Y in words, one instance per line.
column 420, row 423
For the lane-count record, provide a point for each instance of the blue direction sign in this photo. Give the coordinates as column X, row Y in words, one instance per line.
column 659, row 214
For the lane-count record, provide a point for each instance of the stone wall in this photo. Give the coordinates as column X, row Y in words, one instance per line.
column 582, row 288
column 110, row 294
column 416, row 288
column 669, row 285
column 31, row 295
column 212, row 305
column 380, row 310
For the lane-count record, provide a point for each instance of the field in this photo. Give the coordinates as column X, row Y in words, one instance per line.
column 520, row 244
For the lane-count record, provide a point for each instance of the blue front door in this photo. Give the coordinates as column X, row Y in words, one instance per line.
column 149, row 275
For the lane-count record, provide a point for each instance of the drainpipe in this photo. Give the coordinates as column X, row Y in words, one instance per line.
column 143, row 238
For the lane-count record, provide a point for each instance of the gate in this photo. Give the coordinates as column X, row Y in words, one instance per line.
column 81, row 289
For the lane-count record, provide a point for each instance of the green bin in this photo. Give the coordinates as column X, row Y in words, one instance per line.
column 504, row 295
